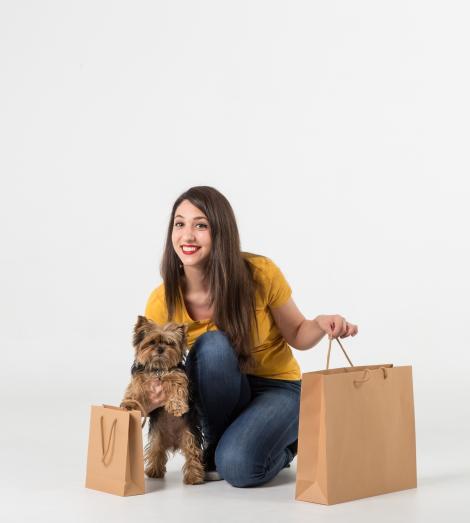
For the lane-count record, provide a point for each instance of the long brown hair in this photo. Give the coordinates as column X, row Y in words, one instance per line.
column 227, row 274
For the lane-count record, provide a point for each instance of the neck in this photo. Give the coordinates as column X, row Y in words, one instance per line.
column 194, row 280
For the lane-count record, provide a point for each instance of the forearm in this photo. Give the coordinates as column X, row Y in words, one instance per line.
column 308, row 335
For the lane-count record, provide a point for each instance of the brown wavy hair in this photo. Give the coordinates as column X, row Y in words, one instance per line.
column 227, row 273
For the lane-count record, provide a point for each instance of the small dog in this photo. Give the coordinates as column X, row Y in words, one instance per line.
column 160, row 351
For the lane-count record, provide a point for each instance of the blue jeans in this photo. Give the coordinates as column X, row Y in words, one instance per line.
column 248, row 419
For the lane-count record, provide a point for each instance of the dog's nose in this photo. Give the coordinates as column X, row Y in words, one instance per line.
column 160, row 350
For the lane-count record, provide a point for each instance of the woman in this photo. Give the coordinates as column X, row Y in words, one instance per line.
column 241, row 320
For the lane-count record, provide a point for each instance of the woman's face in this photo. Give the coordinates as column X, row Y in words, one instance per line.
column 191, row 228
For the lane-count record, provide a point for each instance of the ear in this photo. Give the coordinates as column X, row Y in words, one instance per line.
column 140, row 329
column 182, row 330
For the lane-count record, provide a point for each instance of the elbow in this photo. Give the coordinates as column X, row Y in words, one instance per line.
column 297, row 342
column 298, row 346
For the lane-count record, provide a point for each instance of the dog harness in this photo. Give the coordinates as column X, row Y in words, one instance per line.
column 139, row 368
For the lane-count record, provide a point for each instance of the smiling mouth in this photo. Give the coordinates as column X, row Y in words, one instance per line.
column 192, row 250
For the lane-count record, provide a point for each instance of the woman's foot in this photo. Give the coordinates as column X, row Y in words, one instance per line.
column 292, row 450
column 208, row 458
column 212, row 475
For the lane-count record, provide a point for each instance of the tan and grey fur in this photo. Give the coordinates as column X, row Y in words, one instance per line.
column 160, row 351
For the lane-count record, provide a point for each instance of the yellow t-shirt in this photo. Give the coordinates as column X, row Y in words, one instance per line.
column 273, row 354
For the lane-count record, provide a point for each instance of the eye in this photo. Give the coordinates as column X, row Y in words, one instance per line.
column 204, row 225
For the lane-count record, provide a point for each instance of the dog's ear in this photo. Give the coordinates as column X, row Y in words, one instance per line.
column 140, row 329
column 182, row 330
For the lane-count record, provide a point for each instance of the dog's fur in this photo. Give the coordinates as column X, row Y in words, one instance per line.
column 160, row 351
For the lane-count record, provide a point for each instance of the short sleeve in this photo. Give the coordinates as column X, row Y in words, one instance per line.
column 279, row 289
column 155, row 308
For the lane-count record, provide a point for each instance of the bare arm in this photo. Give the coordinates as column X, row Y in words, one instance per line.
column 303, row 334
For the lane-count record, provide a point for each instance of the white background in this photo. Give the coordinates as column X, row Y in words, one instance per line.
column 339, row 132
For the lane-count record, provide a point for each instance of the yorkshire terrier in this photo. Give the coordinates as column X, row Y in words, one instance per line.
column 160, row 351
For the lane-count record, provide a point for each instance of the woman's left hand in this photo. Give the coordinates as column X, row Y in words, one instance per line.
column 336, row 326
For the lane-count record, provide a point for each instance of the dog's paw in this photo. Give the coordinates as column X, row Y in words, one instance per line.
column 127, row 404
column 154, row 472
column 193, row 478
column 177, row 408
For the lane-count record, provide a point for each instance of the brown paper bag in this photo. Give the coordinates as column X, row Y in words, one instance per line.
column 356, row 433
column 115, row 461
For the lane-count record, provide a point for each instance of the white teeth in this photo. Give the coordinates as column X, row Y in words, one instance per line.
column 190, row 249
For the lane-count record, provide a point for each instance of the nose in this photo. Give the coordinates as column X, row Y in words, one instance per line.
column 187, row 234
column 160, row 350
column 189, row 239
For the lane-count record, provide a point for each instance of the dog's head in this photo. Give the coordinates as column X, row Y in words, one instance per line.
column 159, row 346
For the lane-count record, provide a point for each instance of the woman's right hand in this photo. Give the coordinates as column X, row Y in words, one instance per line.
column 156, row 395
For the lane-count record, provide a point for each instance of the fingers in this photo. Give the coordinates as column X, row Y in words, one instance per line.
column 157, row 399
column 339, row 327
column 156, row 393
column 347, row 331
column 156, row 384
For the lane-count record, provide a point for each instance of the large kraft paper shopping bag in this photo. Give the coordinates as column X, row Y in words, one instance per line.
column 356, row 433
column 115, row 461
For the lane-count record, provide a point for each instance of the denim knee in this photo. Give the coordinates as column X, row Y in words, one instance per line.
column 213, row 349
column 211, row 343
column 236, row 468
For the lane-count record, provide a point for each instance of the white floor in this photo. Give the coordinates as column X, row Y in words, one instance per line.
column 43, row 457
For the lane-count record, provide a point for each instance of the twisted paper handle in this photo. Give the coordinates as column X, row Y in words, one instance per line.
column 329, row 351
column 129, row 403
column 367, row 376
column 366, row 372
column 111, row 432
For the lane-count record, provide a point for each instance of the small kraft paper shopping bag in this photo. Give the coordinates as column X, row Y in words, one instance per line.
column 356, row 433
column 115, row 461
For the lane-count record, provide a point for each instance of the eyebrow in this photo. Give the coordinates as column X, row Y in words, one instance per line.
column 196, row 217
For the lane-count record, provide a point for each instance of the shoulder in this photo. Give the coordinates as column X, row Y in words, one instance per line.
column 156, row 305
column 275, row 287
column 263, row 267
column 158, row 294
